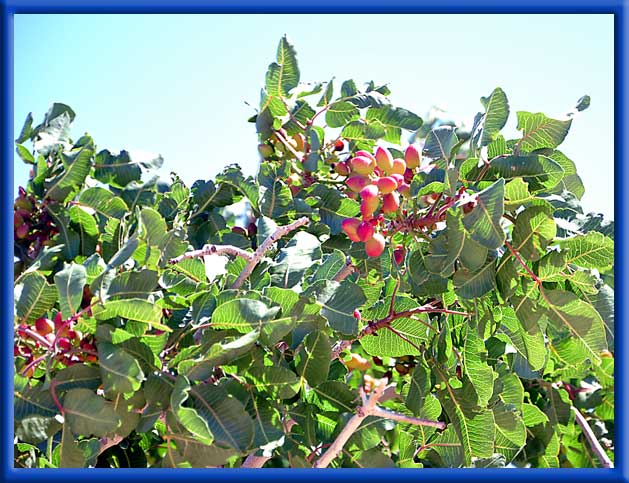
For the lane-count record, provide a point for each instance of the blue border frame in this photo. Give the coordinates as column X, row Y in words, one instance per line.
column 621, row 152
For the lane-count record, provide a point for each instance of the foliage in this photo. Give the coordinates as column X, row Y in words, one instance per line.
column 484, row 299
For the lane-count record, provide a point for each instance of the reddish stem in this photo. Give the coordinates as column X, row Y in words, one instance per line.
column 36, row 336
column 31, row 364
column 519, row 259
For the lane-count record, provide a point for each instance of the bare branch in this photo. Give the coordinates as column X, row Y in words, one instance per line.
column 265, row 247
column 591, row 437
column 345, row 271
column 370, row 407
column 253, row 461
column 213, row 250
column 350, row 428
column 403, row 418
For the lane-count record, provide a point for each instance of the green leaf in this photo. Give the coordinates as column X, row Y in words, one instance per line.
column 530, row 346
column 67, row 236
column 191, row 452
column 517, row 194
column 480, row 375
column 469, row 285
column 283, row 75
column 34, row 297
column 583, row 321
column 340, row 113
column 419, row 387
column 76, row 166
column 70, row 455
column 313, row 358
column 294, row 259
column 70, row 282
column 277, row 381
column 120, row 371
column 122, row 169
column 541, row 173
column 132, row 309
column 24, row 154
column 27, row 129
column 475, row 428
column 334, row 207
column 447, row 248
column 510, row 430
column 440, row 142
column 333, row 396
column 225, row 416
column 189, row 417
column 495, row 117
column 218, row 354
column 483, row 222
column 534, row 229
column 133, row 285
column 55, row 129
column 539, row 131
column 338, row 302
column 407, row 335
column 592, row 250
column 395, row 117
column 532, row 415
column 243, row 315
column 77, row 376
column 103, row 202
column 88, row 414
column 571, row 180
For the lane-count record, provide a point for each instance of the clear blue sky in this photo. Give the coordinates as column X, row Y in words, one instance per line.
column 179, row 84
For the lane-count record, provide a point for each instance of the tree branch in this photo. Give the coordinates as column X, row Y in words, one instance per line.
column 213, row 250
column 352, row 425
column 345, row 271
column 594, row 444
column 403, row 418
column 369, row 408
column 264, row 247
column 253, row 461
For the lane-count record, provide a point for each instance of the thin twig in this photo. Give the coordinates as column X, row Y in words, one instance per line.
column 594, row 444
column 264, row 247
column 519, row 259
column 376, row 325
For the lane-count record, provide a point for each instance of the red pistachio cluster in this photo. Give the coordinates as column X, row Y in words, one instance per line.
column 379, row 180
column 58, row 336
column 32, row 225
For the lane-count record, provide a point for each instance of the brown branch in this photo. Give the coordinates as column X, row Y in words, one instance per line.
column 403, row 418
column 352, row 425
column 265, row 247
column 213, row 250
column 369, row 408
column 345, row 271
column 253, row 461
column 591, row 437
